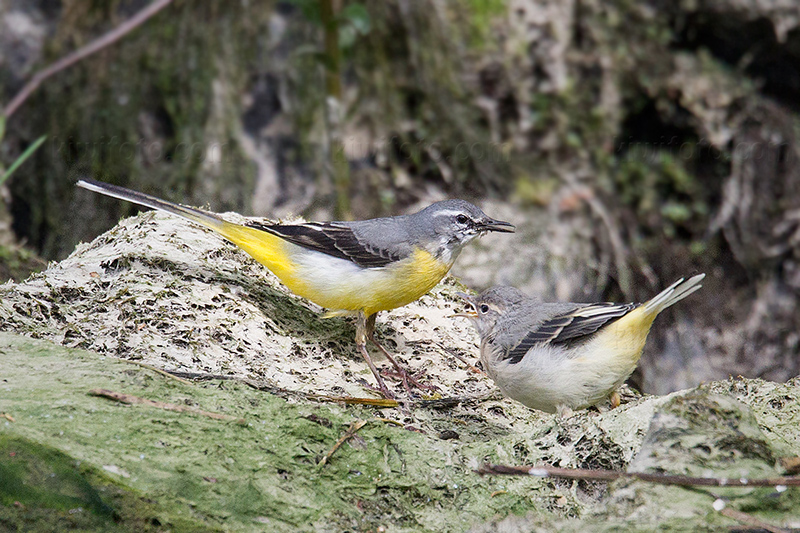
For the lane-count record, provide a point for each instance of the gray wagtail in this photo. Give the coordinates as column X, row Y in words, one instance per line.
column 557, row 357
column 360, row 268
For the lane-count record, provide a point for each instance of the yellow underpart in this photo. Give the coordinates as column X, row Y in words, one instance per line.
column 266, row 248
column 404, row 283
column 624, row 339
column 394, row 285
column 380, row 288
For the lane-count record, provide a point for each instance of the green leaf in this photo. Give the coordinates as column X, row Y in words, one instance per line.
column 2, row 127
column 22, row 158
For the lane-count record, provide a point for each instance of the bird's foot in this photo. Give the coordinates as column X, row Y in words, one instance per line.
column 564, row 412
column 615, row 399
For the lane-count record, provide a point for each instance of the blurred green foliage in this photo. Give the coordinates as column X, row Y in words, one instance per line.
column 656, row 185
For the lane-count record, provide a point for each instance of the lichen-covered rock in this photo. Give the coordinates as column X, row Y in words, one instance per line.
column 160, row 291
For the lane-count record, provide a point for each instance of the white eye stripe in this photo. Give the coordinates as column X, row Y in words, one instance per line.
column 450, row 213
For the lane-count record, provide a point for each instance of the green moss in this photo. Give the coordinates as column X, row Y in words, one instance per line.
column 44, row 489
column 137, row 468
column 223, row 474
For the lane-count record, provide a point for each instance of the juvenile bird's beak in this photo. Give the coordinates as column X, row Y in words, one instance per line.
column 496, row 225
column 466, row 314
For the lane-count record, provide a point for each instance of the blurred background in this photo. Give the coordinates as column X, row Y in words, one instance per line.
column 632, row 143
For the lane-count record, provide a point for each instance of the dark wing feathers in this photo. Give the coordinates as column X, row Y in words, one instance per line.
column 335, row 240
column 569, row 327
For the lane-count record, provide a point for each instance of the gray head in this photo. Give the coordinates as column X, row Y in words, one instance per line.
column 485, row 309
column 448, row 225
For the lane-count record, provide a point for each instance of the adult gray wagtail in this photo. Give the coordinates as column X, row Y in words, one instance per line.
column 351, row 268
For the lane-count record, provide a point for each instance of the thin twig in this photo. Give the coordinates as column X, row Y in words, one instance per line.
column 618, row 248
column 389, row 421
column 354, row 427
column 199, row 376
column 84, row 51
column 131, row 400
column 279, row 391
column 751, row 520
column 442, row 403
column 455, row 354
column 610, row 475
column 158, row 371
column 374, row 402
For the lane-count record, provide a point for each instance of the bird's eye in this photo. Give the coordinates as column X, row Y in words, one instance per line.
column 462, row 219
column 484, row 308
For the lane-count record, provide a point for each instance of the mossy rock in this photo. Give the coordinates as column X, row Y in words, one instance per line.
column 159, row 291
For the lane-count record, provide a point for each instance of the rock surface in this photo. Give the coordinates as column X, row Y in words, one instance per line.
column 158, row 291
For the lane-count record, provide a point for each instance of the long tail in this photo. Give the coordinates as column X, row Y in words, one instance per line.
column 209, row 220
column 266, row 248
column 673, row 294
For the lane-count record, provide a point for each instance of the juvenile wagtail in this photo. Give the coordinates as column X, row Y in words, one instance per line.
column 351, row 268
column 557, row 357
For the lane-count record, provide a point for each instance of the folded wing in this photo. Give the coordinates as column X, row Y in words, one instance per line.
column 569, row 327
column 337, row 240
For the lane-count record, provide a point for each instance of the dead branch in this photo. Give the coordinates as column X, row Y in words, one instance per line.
column 131, row 400
column 70, row 59
column 351, row 400
column 354, row 427
column 750, row 520
column 466, row 363
column 611, row 475
column 158, row 371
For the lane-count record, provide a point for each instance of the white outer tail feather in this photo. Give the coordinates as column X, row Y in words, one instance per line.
column 196, row 215
column 673, row 294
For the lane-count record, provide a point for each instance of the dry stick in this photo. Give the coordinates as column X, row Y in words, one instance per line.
column 618, row 248
column 84, row 51
column 751, row 520
column 374, row 402
column 200, row 376
column 610, row 475
column 158, row 371
column 390, row 421
column 131, row 399
column 455, row 354
column 354, row 427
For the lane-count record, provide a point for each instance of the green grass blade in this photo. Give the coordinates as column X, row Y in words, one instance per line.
column 22, row 158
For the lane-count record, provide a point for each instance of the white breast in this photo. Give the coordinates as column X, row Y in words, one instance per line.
column 547, row 378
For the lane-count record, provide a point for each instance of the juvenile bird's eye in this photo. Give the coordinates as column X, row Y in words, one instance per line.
column 462, row 219
column 484, row 308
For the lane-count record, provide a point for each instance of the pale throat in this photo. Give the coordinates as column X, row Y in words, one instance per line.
column 446, row 251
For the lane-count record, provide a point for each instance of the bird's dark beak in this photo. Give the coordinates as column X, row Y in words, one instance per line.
column 496, row 225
